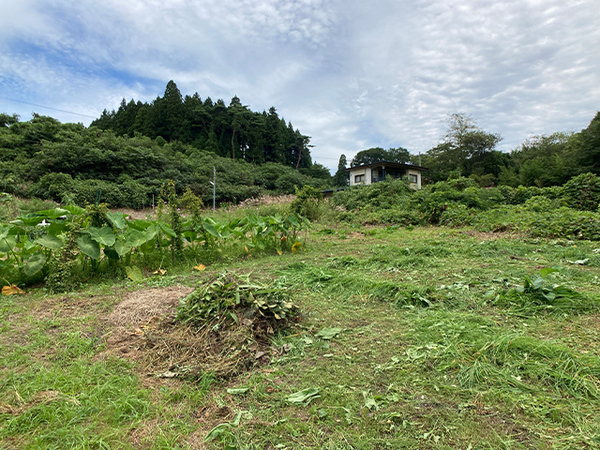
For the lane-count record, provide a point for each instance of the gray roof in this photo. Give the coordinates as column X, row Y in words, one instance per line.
column 389, row 164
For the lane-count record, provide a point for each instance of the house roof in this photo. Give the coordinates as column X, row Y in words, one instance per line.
column 388, row 164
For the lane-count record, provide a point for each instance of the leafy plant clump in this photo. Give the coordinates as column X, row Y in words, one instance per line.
column 538, row 295
column 234, row 297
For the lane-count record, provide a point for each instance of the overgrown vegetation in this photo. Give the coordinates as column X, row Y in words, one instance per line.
column 569, row 211
column 65, row 245
column 72, row 164
column 461, row 317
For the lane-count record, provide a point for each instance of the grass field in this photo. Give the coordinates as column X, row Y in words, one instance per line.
column 407, row 338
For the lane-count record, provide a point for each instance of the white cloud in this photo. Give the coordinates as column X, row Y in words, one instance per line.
column 351, row 74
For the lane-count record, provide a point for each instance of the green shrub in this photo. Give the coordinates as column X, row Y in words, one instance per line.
column 53, row 186
column 308, row 203
column 539, row 295
column 9, row 209
column 583, row 192
column 457, row 216
column 385, row 194
column 539, row 203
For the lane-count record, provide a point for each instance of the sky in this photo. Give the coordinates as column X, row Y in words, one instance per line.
column 351, row 74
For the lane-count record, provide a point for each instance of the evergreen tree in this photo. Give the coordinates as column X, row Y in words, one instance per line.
column 341, row 177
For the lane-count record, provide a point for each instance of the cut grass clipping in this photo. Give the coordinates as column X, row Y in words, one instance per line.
column 537, row 295
column 225, row 327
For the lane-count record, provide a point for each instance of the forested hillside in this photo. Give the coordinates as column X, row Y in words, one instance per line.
column 125, row 156
column 71, row 163
column 542, row 161
column 232, row 131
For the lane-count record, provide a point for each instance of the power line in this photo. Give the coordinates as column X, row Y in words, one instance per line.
column 47, row 107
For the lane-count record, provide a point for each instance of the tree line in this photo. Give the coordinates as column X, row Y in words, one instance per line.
column 466, row 150
column 232, row 131
column 71, row 163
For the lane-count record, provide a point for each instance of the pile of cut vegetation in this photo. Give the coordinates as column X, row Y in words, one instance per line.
column 224, row 327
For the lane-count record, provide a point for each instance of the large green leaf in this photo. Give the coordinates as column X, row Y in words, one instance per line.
column 122, row 248
column 57, row 227
column 167, row 229
column 151, row 232
column 210, row 228
column 34, row 264
column 88, row 246
column 139, row 224
column 4, row 230
column 111, row 253
column 51, row 242
column 75, row 210
column 328, row 333
column 134, row 273
column 7, row 244
column 53, row 213
column 134, row 238
column 29, row 220
column 104, row 235
column 304, row 396
column 117, row 219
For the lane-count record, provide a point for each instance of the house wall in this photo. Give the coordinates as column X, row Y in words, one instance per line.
column 410, row 172
column 365, row 172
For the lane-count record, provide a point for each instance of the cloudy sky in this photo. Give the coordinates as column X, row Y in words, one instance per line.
column 350, row 73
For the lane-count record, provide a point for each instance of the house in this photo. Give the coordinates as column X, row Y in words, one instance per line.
column 372, row 173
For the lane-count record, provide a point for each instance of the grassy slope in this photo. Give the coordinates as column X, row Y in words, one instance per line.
column 460, row 373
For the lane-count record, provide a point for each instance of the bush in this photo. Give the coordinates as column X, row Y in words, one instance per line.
column 53, row 186
column 9, row 209
column 583, row 192
column 539, row 203
column 458, row 216
column 385, row 195
column 308, row 203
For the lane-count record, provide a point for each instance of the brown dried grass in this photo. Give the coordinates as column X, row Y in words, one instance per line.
column 143, row 328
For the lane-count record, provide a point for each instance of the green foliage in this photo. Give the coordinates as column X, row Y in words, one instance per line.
column 583, row 192
column 74, row 165
column 538, row 295
column 539, row 203
column 232, row 131
column 378, row 154
column 62, row 245
column 9, row 208
column 308, row 203
column 234, row 297
column 382, row 195
column 168, row 196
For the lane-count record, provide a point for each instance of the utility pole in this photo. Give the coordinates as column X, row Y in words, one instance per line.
column 214, row 183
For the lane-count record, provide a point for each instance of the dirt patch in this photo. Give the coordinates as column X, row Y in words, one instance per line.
column 136, row 315
column 143, row 328
column 137, row 213
column 140, row 307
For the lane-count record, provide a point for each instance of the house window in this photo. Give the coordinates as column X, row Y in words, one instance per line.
column 359, row 179
column 413, row 178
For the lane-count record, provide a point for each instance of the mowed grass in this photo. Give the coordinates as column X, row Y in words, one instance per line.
column 427, row 349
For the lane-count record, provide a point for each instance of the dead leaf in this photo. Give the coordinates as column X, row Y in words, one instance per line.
column 159, row 272
column 167, row 374
column 12, row 290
